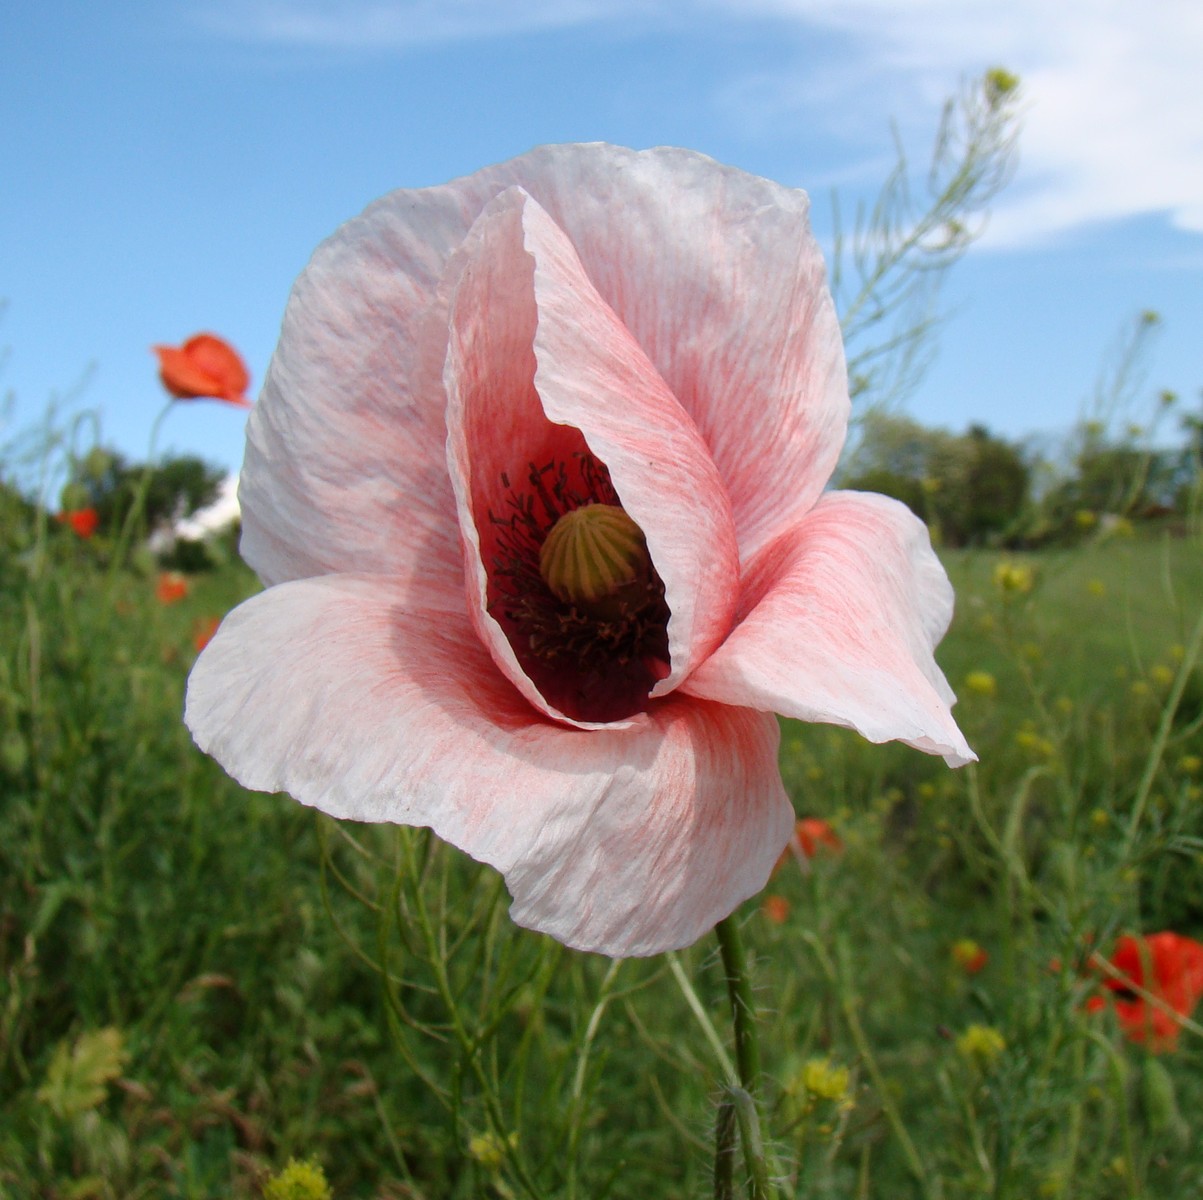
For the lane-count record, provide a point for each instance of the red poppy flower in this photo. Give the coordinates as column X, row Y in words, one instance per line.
column 82, row 520
column 172, row 586
column 204, row 366
column 814, row 834
column 1167, row 966
column 203, row 631
column 969, row 956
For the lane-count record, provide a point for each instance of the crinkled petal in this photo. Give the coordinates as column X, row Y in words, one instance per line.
column 345, row 465
column 537, row 362
column 839, row 621
column 714, row 272
column 624, row 841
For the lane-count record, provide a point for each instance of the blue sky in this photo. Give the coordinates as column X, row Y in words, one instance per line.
column 169, row 167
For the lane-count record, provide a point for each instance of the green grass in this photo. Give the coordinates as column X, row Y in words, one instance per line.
column 284, row 987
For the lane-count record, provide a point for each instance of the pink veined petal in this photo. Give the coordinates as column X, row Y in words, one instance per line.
column 839, row 620
column 591, row 374
column 716, row 275
column 713, row 272
column 539, row 368
column 345, row 465
column 624, row 841
column 496, row 426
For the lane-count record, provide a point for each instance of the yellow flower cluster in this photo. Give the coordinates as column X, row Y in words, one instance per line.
column 1012, row 578
column 298, row 1181
column 981, row 683
column 825, row 1081
column 1035, row 744
column 981, row 1044
column 489, row 1150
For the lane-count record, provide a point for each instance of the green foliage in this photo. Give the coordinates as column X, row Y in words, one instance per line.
column 972, row 489
column 887, row 268
column 174, row 488
column 80, row 1071
column 291, row 989
column 1116, row 465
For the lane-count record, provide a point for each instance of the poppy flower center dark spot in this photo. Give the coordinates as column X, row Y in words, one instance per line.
column 573, row 586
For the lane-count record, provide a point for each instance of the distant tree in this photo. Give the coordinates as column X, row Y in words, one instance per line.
column 971, row 488
column 175, row 488
column 984, row 487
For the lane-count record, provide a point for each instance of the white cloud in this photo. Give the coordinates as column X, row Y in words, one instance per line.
column 1114, row 122
column 215, row 517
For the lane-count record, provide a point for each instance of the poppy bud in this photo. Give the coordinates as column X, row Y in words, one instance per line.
column 592, row 554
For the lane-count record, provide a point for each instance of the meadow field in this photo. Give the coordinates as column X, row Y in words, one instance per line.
column 200, row 983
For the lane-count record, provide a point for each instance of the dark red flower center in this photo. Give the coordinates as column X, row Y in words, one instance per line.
column 585, row 613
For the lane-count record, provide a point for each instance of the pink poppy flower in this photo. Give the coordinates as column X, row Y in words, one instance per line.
column 586, row 703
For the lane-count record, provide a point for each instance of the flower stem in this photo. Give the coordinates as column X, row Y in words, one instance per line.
column 743, row 1008
column 747, row 1059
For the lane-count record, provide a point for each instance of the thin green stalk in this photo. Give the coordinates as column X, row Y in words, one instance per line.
column 743, row 1006
column 469, row 1046
column 1164, row 728
column 1116, row 1064
column 724, row 1150
column 747, row 1117
column 582, row 1064
column 747, row 1055
column 731, row 1076
column 738, row 1079
column 848, row 1007
column 138, row 504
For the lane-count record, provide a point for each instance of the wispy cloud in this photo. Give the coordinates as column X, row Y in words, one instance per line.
column 1114, row 125
column 400, row 24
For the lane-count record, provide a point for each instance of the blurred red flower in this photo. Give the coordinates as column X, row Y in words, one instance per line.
column 1166, row 966
column 812, row 835
column 969, row 956
column 776, row 909
column 172, row 586
column 82, row 520
column 203, row 631
column 204, row 366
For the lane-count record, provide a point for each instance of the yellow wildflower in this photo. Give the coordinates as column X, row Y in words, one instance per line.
column 1161, row 675
column 981, row 683
column 981, row 1044
column 299, row 1181
column 489, row 1150
column 1014, row 578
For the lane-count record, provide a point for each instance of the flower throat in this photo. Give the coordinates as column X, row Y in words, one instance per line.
column 572, row 584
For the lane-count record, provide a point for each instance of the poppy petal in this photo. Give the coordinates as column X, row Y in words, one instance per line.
column 840, row 619
column 624, row 841
column 539, row 368
column 691, row 256
column 345, row 466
